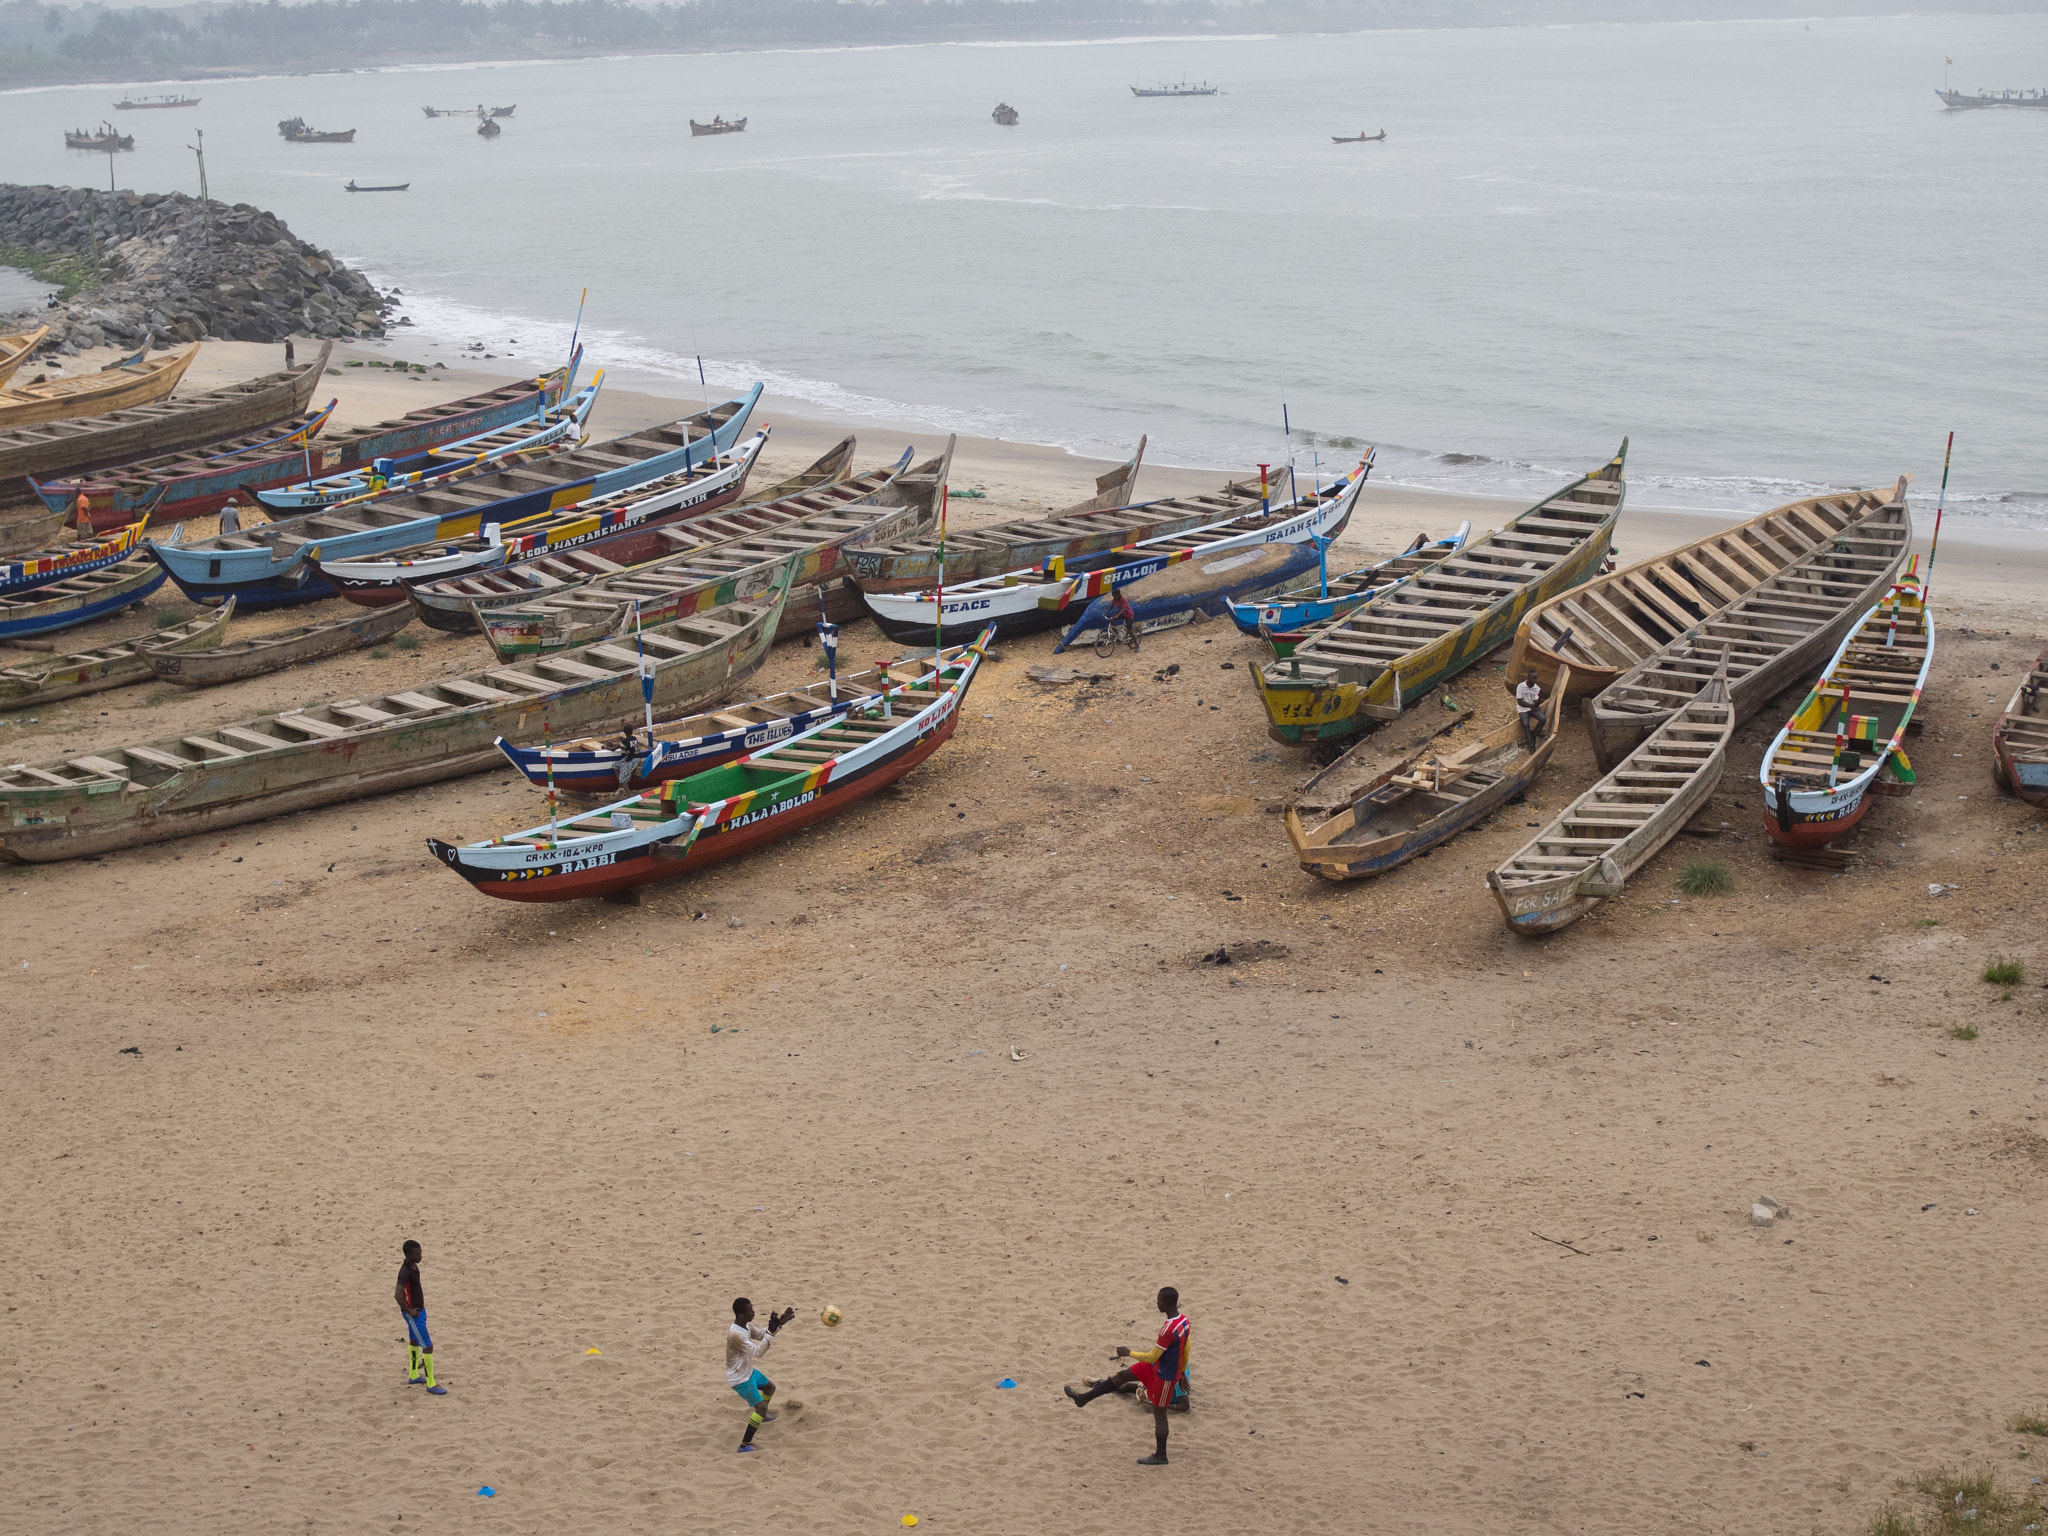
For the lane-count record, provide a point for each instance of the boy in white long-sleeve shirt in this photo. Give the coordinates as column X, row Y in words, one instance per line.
column 746, row 1342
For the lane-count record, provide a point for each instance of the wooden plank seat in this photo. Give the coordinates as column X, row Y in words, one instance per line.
column 210, row 748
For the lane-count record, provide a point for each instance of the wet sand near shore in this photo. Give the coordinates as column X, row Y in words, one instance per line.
column 1461, row 1220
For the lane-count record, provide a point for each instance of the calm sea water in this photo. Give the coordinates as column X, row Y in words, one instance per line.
column 1762, row 251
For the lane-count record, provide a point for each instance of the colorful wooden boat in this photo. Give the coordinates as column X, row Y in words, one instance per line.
column 1376, row 660
column 1769, row 639
column 219, row 418
column 343, row 749
column 137, row 381
column 80, row 599
column 113, row 665
column 634, row 760
column 15, row 349
column 1590, row 849
column 453, row 603
column 1457, row 781
column 1821, row 768
column 692, row 823
column 195, row 483
column 27, row 572
column 549, row 429
column 596, row 525
column 731, row 556
column 1082, row 535
column 2019, row 742
column 271, row 566
column 1233, row 558
column 1622, row 619
column 1283, row 618
column 208, row 666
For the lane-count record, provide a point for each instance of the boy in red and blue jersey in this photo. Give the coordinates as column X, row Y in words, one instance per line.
column 412, row 1305
column 1157, row 1370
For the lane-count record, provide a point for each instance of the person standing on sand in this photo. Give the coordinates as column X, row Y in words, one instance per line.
column 412, row 1304
column 1156, row 1370
column 745, row 1342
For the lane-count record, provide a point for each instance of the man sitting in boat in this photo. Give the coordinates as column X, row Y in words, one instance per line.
column 1529, row 703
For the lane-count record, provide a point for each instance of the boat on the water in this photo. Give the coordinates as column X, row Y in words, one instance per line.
column 1455, row 782
column 1005, row 114
column 1592, row 847
column 717, row 125
column 550, row 430
column 135, row 380
column 1960, row 100
column 2019, row 742
column 294, row 130
column 344, row 749
column 1395, row 648
column 720, row 813
column 1182, row 88
column 15, row 348
column 488, row 129
column 27, row 572
column 153, row 103
column 1361, row 137
column 195, row 482
column 1849, row 732
column 216, row 418
column 99, row 142
column 214, row 663
column 597, row 525
column 271, row 566
column 394, row 187
column 1621, row 619
column 113, row 665
column 1768, row 638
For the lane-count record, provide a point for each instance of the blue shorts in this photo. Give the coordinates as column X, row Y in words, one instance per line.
column 416, row 1329
column 750, row 1389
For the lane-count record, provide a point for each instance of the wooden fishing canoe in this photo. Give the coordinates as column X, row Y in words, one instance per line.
column 1771, row 638
column 116, row 389
column 1588, row 852
column 114, row 665
column 80, row 599
column 203, row 667
column 734, row 549
column 2019, row 742
column 15, row 349
column 1457, row 781
column 343, row 749
column 25, row 573
column 1376, row 660
column 1850, row 730
column 1627, row 616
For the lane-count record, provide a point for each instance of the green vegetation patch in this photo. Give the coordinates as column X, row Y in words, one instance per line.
column 73, row 275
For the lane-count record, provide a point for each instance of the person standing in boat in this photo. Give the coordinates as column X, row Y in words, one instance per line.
column 1529, row 704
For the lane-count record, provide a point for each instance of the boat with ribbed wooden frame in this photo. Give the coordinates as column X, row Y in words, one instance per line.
column 113, row 665
column 2019, row 742
column 136, row 381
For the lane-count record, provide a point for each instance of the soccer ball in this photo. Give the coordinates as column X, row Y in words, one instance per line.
column 830, row 1317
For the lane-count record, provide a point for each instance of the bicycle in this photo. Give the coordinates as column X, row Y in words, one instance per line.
column 1114, row 633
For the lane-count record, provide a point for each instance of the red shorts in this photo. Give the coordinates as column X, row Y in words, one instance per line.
column 1158, row 1390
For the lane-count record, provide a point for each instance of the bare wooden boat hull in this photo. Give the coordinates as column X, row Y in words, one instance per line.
column 118, row 389
column 93, row 804
column 2019, row 742
column 1577, row 862
column 15, row 349
column 198, row 667
column 1770, row 639
column 1624, row 618
column 1369, row 837
column 110, row 666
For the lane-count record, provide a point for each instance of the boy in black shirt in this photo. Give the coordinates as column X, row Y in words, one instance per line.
column 412, row 1305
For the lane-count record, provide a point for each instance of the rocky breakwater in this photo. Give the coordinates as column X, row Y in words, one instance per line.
column 178, row 270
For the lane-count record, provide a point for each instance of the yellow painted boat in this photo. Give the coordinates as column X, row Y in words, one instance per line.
column 1381, row 657
column 136, row 382
column 15, row 348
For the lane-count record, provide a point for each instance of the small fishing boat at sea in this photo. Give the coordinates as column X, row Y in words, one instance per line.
column 716, row 126
column 154, row 103
column 193, row 482
column 27, row 572
column 1395, row 648
column 394, row 187
column 1623, row 618
column 98, row 142
column 210, row 665
column 1964, row 100
column 1458, row 780
column 1819, row 773
column 133, row 381
column 1361, row 137
column 1005, row 114
column 2019, row 742
column 1182, row 88
column 488, row 129
column 271, row 566
column 596, row 525
column 344, row 749
column 692, row 823
column 294, row 130
column 113, row 665
column 1592, row 847
column 15, row 348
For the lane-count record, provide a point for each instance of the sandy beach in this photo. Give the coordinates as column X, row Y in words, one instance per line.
column 986, row 1061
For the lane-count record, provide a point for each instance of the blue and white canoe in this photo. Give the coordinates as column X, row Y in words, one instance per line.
column 474, row 455
column 1315, row 602
column 272, row 566
column 79, row 599
column 1240, row 557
